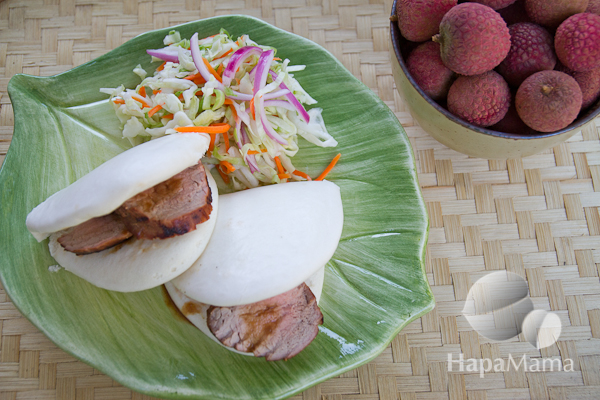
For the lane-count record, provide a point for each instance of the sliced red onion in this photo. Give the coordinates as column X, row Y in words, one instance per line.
column 237, row 59
column 260, row 110
column 169, row 53
column 262, row 69
column 290, row 96
column 197, row 58
column 250, row 158
column 199, row 63
column 280, row 103
column 239, row 96
column 274, row 95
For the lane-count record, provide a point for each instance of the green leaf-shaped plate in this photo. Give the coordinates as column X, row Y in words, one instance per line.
column 374, row 285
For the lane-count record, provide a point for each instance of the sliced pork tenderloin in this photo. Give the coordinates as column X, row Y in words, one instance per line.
column 277, row 328
column 173, row 207
column 95, row 235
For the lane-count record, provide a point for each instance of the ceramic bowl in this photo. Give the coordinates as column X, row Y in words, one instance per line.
column 460, row 135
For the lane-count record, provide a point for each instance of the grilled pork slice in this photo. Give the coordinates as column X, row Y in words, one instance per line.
column 276, row 328
column 171, row 208
column 95, row 235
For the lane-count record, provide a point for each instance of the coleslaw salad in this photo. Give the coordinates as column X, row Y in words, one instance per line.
column 237, row 92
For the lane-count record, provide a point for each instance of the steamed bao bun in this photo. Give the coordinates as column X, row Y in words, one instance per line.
column 136, row 264
column 267, row 240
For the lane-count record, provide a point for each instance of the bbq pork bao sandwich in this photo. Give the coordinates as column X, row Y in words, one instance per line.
column 246, row 268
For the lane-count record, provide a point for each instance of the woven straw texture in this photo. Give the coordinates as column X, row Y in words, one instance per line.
column 537, row 217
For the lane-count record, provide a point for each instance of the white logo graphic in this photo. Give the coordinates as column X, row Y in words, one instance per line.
column 498, row 307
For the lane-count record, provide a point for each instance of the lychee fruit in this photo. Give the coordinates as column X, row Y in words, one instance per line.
column 512, row 123
column 531, row 50
column 474, row 39
column 548, row 101
column 551, row 13
column 514, row 13
column 593, row 7
column 419, row 20
column 481, row 100
column 495, row 4
column 577, row 42
column 429, row 72
column 589, row 83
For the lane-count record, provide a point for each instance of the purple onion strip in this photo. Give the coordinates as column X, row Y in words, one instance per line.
column 267, row 125
column 290, row 96
column 198, row 62
column 262, row 69
column 237, row 59
column 274, row 95
column 169, row 53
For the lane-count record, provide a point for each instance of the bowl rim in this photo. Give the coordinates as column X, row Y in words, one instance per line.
column 395, row 35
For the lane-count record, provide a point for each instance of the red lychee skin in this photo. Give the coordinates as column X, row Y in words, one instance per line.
column 481, row 100
column 419, row 20
column 429, row 72
column 593, row 7
column 531, row 50
column 550, row 13
column 495, row 4
column 512, row 123
column 514, row 13
column 577, row 42
column 589, row 83
column 474, row 39
column 548, row 101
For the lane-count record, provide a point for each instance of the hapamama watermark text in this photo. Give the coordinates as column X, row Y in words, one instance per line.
column 486, row 365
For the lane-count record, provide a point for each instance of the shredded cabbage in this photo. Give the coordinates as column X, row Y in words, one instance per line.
column 263, row 126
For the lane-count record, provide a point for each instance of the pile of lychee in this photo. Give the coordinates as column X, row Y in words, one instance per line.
column 514, row 66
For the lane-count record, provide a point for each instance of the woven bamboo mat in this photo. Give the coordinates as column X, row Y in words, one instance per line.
column 537, row 217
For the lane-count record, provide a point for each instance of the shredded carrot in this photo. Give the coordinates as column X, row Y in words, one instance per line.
column 229, row 102
column 279, row 166
column 227, row 165
column 119, row 101
column 302, row 174
column 180, row 97
column 198, row 79
column 167, row 116
column 220, row 69
column 329, row 167
column 276, row 59
column 284, row 176
column 223, row 176
column 154, row 110
column 161, row 66
column 155, row 92
column 212, row 70
column 141, row 101
column 252, row 109
column 214, row 128
column 226, row 139
column 225, row 54
column 143, row 91
column 211, row 144
column 252, row 152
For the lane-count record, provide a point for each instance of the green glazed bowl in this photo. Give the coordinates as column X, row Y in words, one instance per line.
column 375, row 283
column 459, row 135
